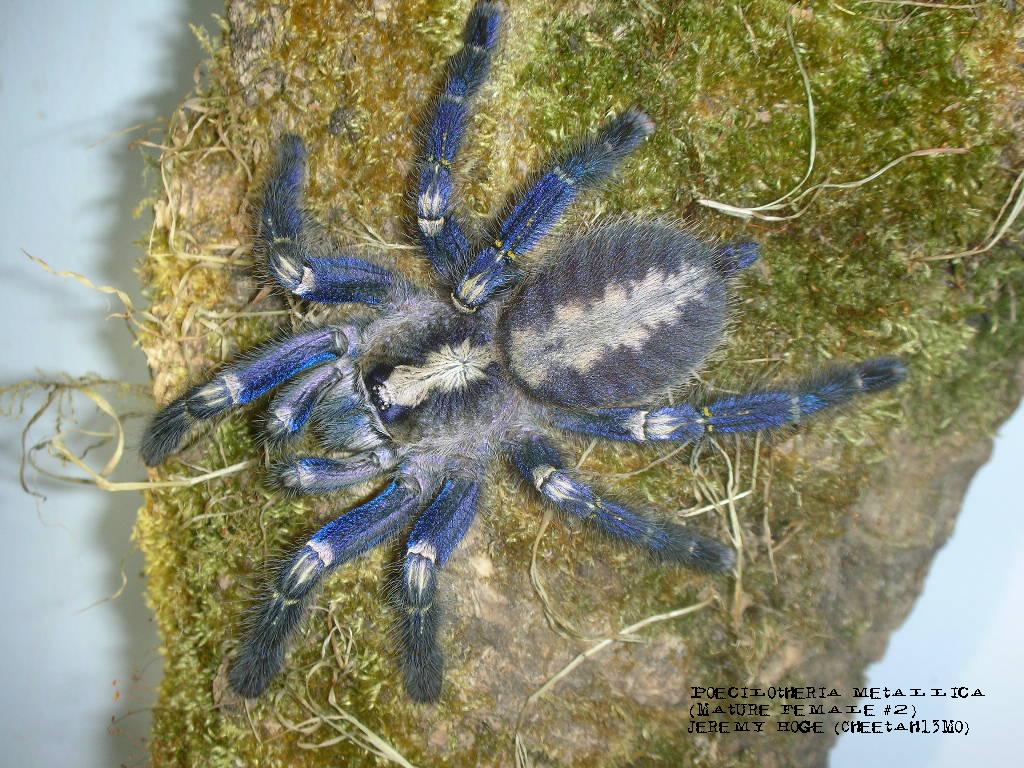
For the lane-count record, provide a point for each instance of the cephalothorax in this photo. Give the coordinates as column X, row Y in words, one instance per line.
column 489, row 362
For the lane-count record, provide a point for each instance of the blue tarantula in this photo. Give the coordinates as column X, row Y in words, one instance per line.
column 440, row 381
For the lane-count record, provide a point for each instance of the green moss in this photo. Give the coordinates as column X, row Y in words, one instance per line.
column 846, row 280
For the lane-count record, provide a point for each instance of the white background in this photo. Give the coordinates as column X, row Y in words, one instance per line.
column 72, row 74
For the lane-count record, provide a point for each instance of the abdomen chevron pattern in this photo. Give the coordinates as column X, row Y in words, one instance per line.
column 616, row 315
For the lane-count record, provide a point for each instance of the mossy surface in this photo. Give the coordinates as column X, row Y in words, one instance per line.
column 848, row 279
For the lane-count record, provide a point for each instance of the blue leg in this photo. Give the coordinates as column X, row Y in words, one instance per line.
column 282, row 610
column 433, row 540
column 346, row 421
column 310, row 475
column 295, row 258
column 539, row 462
column 237, row 385
column 750, row 412
column 443, row 238
column 738, row 255
column 291, row 408
column 543, row 204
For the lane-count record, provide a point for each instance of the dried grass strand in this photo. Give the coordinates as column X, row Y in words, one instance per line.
column 793, row 197
column 522, row 755
column 811, row 153
column 1015, row 203
column 556, row 621
column 57, row 442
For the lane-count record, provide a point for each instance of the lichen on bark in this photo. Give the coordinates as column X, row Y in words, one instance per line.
column 840, row 523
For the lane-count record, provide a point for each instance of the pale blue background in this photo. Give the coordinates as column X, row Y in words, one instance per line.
column 71, row 74
column 965, row 631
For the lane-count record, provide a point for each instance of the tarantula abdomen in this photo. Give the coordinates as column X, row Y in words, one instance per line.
column 617, row 315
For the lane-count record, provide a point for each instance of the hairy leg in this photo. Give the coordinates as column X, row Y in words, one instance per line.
column 443, row 239
column 433, row 540
column 539, row 462
column 750, row 412
column 309, row 475
column 296, row 258
column 237, row 385
column 345, row 419
column 283, row 608
column 542, row 205
column 292, row 406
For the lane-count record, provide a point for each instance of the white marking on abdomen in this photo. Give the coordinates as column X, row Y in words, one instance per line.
column 625, row 315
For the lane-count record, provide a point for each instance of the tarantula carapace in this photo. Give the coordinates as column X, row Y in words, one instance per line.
column 440, row 381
